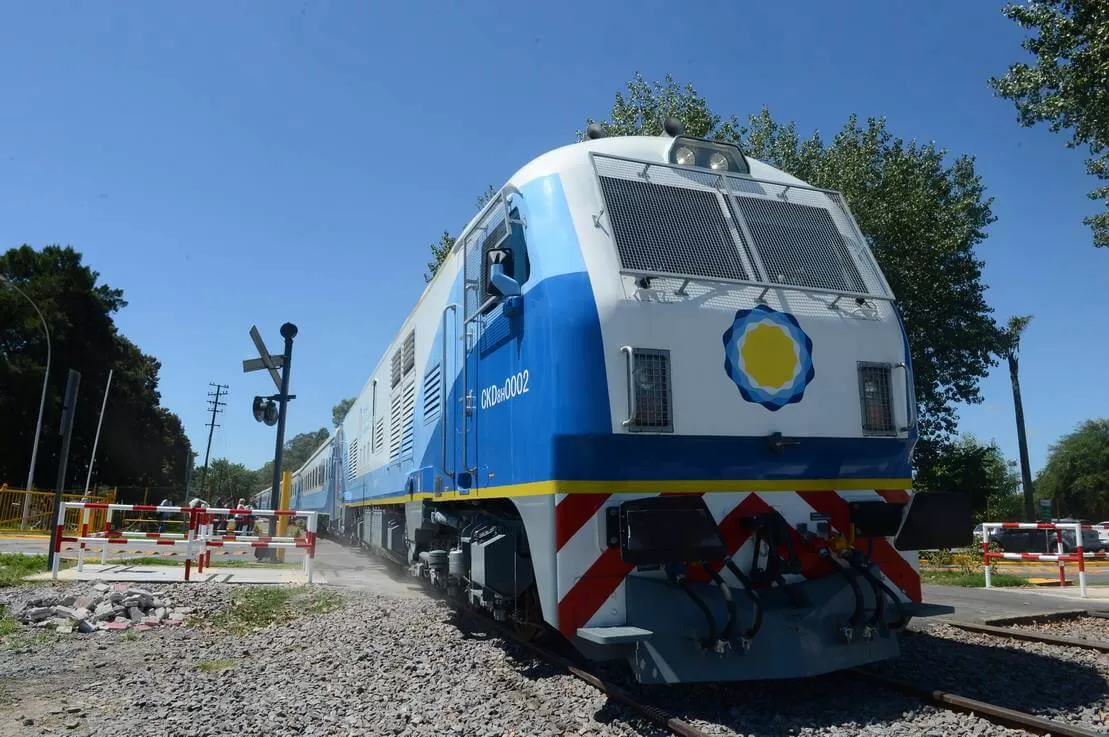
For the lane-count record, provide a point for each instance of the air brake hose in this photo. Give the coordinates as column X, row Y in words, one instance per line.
column 902, row 620
column 850, row 576
column 879, row 614
column 688, row 589
column 749, row 589
column 733, row 614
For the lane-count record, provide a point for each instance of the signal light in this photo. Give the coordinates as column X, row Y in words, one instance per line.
column 265, row 410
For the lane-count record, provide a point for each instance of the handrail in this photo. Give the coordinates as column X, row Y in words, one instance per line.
column 910, row 405
column 453, row 307
column 627, row 349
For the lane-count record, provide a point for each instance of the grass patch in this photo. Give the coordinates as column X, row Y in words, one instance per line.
column 8, row 624
column 15, row 566
column 213, row 666
column 971, row 580
column 261, row 606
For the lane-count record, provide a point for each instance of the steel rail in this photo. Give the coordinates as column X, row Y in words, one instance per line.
column 1017, row 634
column 990, row 712
column 653, row 713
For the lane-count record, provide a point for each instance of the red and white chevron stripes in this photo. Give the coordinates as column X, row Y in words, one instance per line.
column 591, row 575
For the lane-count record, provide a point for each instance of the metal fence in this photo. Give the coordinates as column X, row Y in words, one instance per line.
column 32, row 512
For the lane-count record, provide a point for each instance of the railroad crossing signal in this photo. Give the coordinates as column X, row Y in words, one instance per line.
column 263, row 407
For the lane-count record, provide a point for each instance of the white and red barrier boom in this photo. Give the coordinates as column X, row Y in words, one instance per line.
column 1079, row 556
column 199, row 537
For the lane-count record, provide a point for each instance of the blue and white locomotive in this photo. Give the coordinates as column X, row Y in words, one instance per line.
column 657, row 399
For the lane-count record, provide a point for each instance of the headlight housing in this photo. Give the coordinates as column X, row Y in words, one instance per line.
column 708, row 155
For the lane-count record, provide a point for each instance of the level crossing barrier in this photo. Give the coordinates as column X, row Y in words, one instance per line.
column 198, row 539
column 1079, row 555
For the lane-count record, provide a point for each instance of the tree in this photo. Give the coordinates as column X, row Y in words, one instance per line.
column 975, row 469
column 921, row 215
column 339, row 411
column 141, row 443
column 442, row 249
column 297, row 450
column 1068, row 87
column 1010, row 350
column 642, row 112
column 228, row 481
column 439, row 253
column 1076, row 475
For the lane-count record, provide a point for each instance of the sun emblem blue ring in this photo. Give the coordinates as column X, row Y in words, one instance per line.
column 769, row 357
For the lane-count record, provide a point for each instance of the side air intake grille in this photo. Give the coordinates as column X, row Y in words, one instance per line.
column 876, row 395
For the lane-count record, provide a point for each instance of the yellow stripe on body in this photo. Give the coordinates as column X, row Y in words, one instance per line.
column 544, row 488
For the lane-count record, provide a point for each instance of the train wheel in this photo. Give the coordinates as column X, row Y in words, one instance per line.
column 528, row 620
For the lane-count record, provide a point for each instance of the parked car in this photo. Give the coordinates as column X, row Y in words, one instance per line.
column 1103, row 534
column 1044, row 541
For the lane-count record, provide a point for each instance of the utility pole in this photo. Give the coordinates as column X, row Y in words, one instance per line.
column 216, row 404
column 69, row 409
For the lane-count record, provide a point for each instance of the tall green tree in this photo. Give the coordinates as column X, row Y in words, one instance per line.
column 922, row 214
column 1076, row 474
column 228, row 481
column 1068, row 84
column 339, row 411
column 1010, row 351
column 297, row 450
column 141, row 442
column 981, row 471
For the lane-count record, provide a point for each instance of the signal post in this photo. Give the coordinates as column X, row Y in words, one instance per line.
column 273, row 409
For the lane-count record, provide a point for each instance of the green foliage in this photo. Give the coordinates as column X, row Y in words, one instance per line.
column 1068, row 84
column 214, row 666
column 442, row 249
column 15, row 566
column 225, row 480
column 972, row 580
column 339, row 411
column 1076, row 474
column 921, row 215
column 978, row 470
column 645, row 106
column 256, row 607
column 295, row 453
column 141, row 443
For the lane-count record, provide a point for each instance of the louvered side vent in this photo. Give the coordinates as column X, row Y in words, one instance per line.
column 409, row 353
column 409, row 419
column 352, row 459
column 396, row 372
column 379, row 434
column 395, row 426
column 432, row 387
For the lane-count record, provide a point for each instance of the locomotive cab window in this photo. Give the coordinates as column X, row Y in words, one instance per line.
column 515, row 258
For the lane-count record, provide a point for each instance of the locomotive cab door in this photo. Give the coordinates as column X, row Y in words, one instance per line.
column 495, row 259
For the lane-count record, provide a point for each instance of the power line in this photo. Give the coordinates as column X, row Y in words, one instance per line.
column 216, row 404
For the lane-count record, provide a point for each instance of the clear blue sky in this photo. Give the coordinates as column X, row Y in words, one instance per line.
column 239, row 163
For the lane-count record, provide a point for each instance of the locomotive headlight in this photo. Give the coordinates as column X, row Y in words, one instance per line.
column 685, row 156
column 712, row 155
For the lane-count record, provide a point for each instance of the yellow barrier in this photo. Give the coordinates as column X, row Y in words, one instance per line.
column 40, row 511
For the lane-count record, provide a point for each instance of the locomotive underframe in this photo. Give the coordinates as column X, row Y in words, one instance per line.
column 679, row 628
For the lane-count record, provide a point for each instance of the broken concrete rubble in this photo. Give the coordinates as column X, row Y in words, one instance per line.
column 104, row 607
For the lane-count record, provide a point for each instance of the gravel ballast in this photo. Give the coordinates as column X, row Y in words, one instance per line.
column 372, row 663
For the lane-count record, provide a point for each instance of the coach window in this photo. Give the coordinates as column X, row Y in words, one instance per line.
column 517, row 265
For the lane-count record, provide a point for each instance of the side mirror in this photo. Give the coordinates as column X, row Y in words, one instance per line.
column 495, row 259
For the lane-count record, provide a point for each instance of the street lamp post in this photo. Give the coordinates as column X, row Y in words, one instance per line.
column 42, row 405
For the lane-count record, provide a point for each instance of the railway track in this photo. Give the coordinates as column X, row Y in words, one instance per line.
column 994, row 713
